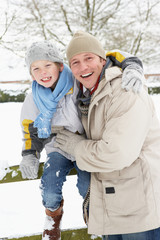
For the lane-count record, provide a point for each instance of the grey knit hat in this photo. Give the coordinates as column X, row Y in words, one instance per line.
column 42, row 51
column 84, row 42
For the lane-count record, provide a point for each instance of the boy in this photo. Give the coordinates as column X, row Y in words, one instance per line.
column 50, row 107
column 53, row 94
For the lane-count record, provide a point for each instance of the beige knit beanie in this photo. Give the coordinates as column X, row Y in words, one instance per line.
column 84, row 42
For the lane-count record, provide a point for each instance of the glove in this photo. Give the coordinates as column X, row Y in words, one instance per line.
column 67, row 141
column 133, row 78
column 56, row 129
column 29, row 167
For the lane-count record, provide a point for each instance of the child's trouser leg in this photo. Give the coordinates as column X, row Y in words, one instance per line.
column 56, row 169
column 54, row 175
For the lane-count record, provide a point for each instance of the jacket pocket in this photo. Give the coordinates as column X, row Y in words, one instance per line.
column 123, row 190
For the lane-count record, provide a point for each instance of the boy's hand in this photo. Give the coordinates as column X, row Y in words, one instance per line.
column 67, row 141
column 29, row 167
column 133, row 78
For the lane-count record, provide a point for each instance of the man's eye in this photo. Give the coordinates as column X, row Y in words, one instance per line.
column 74, row 63
column 48, row 65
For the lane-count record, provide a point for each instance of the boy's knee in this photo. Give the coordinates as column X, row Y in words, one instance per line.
column 51, row 201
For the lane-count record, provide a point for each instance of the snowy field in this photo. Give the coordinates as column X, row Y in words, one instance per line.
column 21, row 210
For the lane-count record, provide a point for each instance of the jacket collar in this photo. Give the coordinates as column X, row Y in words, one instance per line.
column 110, row 74
column 104, row 87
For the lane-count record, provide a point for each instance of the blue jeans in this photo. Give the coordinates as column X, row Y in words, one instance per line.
column 148, row 235
column 54, row 175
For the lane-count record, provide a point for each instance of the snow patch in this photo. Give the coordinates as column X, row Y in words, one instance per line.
column 14, row 174
column 49, row 222
column 46, row 237
column 47, row 165
column 57, row 173
column 94, row 236
column 4, row 169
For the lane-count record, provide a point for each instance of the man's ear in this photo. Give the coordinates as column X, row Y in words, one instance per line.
column 61, row 67
column 104, row 62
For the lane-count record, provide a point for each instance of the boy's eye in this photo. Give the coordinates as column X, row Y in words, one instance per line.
column 35, row 69
column 48, row 65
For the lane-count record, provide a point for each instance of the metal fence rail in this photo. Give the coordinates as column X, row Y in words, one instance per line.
column 14, row 174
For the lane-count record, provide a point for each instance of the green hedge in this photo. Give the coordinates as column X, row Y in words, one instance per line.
column 7, row 97
column 155, row 90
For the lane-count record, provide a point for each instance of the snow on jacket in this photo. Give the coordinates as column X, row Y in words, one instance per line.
column 66, row 116
column 123, row 156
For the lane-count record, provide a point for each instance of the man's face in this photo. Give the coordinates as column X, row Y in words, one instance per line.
column 87, row 67
column 46, row 73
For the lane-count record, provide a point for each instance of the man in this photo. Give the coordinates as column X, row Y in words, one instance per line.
column 122, row 149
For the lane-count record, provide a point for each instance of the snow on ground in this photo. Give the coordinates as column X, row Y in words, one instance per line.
column 21, row 210
column 22, row 213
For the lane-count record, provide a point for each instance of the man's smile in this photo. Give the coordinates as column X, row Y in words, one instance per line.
column 87, row 75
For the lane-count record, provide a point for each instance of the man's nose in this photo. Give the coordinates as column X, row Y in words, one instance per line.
column 83, row 66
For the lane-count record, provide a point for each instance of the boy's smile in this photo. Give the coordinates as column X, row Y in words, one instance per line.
column 46, row 73
column 46, row 79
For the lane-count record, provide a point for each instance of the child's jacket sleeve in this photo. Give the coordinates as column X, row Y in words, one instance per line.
column 123, row 59
column 31, row 143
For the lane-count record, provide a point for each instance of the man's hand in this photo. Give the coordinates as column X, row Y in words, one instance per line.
column 56, row 129
column 67, row 141
column 133, row 78
column 29, row 167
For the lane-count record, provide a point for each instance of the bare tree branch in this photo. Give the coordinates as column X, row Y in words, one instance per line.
column 92, row 16
column 66, row 20
column 7, row 24
column 120, row 24
column 55, row 37
column 41, row 20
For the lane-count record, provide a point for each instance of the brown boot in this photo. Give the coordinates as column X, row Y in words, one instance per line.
column 52, row 229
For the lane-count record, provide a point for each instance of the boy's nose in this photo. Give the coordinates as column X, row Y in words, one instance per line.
column 43, row 72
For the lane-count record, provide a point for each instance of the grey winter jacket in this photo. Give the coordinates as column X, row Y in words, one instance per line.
column 66, row 116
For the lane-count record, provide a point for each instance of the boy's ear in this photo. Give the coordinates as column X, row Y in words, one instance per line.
column 61, row 67
column 33, row 78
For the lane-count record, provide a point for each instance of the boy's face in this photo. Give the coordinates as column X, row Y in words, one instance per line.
column 87, row 67
column 46, row 73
